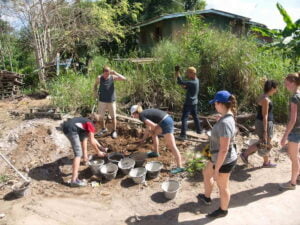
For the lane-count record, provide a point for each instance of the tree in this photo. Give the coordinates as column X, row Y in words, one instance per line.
column 191, row 5
column 154, row 8
column 7, row 41
column 59, row 26
column 287, row 40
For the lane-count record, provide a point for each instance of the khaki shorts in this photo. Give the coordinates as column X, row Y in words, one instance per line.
column 107, row 106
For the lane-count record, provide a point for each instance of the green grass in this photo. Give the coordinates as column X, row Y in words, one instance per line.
column 3, row 178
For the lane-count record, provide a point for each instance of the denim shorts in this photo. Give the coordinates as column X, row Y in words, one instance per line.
column 167, row 125
column 294, row 137
column 76, row 144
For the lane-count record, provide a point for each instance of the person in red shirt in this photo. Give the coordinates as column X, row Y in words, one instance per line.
column 79, row 130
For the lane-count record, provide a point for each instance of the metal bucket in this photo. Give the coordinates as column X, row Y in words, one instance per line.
column 95, row 165
column 115, row 157
column 109, row 171
column 153, row 169
column 126, row 165
column 139, row 158
column 20, row 189
column 138, row 175
column 170, row 188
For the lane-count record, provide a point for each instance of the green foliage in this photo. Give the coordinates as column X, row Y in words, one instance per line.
column 195, row 164
column 73, row 92
column 286, row 40
column 3, row 178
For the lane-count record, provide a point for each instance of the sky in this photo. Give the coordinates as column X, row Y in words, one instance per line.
column 262, row 11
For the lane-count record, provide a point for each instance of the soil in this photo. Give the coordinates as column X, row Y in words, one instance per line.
column 38, row 149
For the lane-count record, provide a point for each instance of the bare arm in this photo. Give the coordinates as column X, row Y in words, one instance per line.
column 291, row 123
column 118, row 76
column 96, row 144
column 265, row 113
column 150, row 127
column 97, row 82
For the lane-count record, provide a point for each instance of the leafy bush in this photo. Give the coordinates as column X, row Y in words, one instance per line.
column 223, row 61
column 73, row 92
column 195, row 164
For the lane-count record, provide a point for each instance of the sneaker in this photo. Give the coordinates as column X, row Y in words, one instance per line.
column 269, row 165
column 152, row 154
column 78, row 183
column 114, row 134
column 205, row 200
column 177, row 170
column 244, row 158
column 101, row 132
column 287, row 186
column 217, row 213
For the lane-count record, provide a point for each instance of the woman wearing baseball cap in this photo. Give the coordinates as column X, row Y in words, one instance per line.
column 223, row 153
column 158, row 122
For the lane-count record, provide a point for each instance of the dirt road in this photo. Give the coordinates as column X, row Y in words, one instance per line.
column 38, row 149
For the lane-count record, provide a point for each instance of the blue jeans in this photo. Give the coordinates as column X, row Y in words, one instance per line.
column 187, row 110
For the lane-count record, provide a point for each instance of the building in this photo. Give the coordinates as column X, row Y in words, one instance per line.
column 170, row 26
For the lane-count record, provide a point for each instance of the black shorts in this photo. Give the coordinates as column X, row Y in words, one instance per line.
column 227, row 168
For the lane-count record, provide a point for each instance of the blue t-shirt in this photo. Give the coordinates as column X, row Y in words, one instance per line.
column 192, row 90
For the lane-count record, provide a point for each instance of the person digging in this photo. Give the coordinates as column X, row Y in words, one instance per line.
column 79, row 130
column 191, row 99
column 158, row 122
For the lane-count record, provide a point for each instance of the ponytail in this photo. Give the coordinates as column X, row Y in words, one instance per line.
column 232, row 104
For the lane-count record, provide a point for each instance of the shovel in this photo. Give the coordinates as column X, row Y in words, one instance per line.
column 27, row 181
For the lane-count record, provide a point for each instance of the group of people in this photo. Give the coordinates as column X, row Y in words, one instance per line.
column 222, row 145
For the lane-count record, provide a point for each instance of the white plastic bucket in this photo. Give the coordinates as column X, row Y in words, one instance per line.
column 20, row 190
column 138, row 175
column 109, row 171
column 95, row 165
column 126, row 165
column 153, row 169
column 170, row 188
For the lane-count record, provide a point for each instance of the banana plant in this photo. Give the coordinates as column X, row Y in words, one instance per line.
column 287, row 39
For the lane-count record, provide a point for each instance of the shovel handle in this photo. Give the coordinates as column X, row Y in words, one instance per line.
column 15, row 169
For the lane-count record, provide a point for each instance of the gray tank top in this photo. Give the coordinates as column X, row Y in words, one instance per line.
column 107, row 90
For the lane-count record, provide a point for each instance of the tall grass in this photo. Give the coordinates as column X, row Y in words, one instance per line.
column 223, row 61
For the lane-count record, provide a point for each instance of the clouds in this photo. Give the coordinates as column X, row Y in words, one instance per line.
column 259, row 11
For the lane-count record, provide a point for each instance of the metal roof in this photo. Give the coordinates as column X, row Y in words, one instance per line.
column 197, row 12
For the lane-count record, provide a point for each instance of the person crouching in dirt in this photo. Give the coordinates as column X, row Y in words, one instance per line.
column 191, row 99
column 223, row 153
column 263, row 126
column 79, row 130
column 158, row 122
